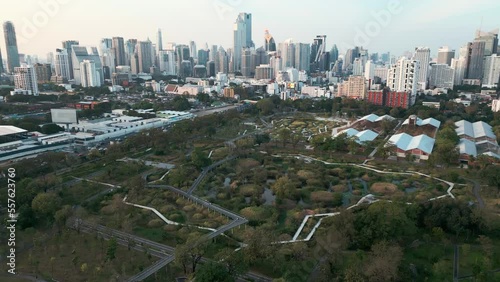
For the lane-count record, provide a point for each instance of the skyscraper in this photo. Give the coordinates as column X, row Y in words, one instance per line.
column 11, row 46
column 441, row 76
column 25, row 78
column 490, row 41
column 246, row 62
column 491, row 71
column 475, row 60
column 203, row 56
column 445, row 55
column 159, row 41
column 119, row 50
column 90, row 77
column 423, row 55
column 350, row 56
column 302, row 56
column 82, row 53
column 61, row 63
column 242, row 38
column 145, row 56
column 130, row 50
column 334, row 53
column 1, row 62
column 269, row 43
column 318, row 51
column 287, row 51
column 167, row 62
column 357, row 67
column 192, row 49
column 43, row 72
column 182, row 54
column 403, row 76
column 460, row 67
column 67, row 45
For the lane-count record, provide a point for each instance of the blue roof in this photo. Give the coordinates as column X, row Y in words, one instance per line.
column 376, row 118
column 467, row 147
column 363, row 136
column 407, row 142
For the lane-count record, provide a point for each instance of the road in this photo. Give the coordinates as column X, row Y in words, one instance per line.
column 216, row 110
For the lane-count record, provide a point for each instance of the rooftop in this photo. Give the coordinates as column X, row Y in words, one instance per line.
column 9, row 130
column 407, row 142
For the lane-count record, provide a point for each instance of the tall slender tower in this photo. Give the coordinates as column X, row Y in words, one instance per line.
column 1, row 61
column 67, row 45
column 159, row 41
column 119, row 50
column 423, row 55
column 242, row 38
column 11, row 46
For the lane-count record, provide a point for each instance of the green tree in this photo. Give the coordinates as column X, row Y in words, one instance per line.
column 111, row 250
column 283, row 187
column 46, row 204
column 212, row 271
column 200, row 159
column 265, row 106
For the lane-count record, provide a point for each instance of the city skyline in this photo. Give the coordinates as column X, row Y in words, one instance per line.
column 42, row 26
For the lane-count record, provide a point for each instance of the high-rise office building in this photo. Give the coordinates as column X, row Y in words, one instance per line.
column 334, row 53
column 490, row 41
column 302, row 56
column 130, row 50
column 25, row 79
column 222, row 61
column 423, row 55
column 159, row 41
column 167, row 62
column 357, row 67
column 242, row 38
column 213, row 53
column 61, row 64
column 182, row 54
column 106, row 43
column 491, row 71
column 445, row 55
column 68, row 46
column 460, row 67
column 319, row 58
column 203, row 56
column 13, row 60
column 403, row 76
column 475, row 61
column 350, row 56
column 145, row 56
column 370, row 70
column 119, row 51
column 193, row 53
column 246, row 62
column 441, row 76
column 89, row 76
column 1, row 62
column 287, row 52
column 82, row 53
column 43, row 72
column 269, row 43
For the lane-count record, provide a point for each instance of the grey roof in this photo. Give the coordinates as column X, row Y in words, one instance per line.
column 420, row 122
column 8, row 130
column 475, row 130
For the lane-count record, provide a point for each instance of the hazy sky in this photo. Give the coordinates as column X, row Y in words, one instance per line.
column 431, row 23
